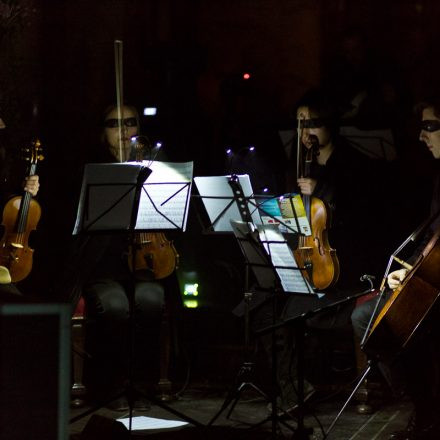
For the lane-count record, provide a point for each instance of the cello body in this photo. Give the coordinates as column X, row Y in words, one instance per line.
column 409, row 305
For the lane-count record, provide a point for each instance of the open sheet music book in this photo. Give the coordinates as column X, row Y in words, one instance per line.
column 107, row 196
column 281, row 211
column 277, row 264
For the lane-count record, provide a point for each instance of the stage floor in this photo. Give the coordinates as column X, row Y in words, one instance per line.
column 201, row 403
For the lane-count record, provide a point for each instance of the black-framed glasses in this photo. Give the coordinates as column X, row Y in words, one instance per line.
column 113, row 123
column 430, row 125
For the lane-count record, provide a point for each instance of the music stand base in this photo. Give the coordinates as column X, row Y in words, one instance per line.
column 234, row 395
column 130, row 393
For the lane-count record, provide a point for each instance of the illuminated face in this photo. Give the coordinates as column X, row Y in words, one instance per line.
column 312, row 128
column 430, row 133
column 128, row 130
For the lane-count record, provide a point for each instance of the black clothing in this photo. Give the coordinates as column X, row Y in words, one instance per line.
column 344, row 183
column 341, row 184
column 98, row 270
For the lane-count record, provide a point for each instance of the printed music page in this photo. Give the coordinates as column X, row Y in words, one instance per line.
column 165, row 196
column 218, row 199
column 270, row 258
column 281, row 211
column 283, row 260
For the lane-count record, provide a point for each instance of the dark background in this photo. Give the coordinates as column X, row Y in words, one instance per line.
column 187, row 58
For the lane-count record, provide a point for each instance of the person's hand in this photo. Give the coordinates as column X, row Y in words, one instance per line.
column 307, row 185
column 395, row 278
column 31, row 184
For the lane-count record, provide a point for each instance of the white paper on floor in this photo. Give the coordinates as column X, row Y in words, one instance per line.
column 142, row 422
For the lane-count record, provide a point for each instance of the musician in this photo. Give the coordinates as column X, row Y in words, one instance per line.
column 101, row 274
column 30, row 184
column 420, row 362
column 336, row 177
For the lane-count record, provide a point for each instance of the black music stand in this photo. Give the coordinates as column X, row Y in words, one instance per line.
column 271, row 261
column 299, row 323
column 110, row 203
column 236, row 202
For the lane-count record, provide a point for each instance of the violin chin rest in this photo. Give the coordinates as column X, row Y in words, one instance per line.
column 5, row 276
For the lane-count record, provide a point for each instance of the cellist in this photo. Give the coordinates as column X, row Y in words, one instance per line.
column 419, row 363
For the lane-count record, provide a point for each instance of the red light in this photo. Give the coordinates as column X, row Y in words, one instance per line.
column 246, row 75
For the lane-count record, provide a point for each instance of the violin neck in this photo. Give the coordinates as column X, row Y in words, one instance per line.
column 24, row 205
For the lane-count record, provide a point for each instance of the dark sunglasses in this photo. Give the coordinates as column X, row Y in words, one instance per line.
column 312, row 123
column 430, row 125
column 113, row 123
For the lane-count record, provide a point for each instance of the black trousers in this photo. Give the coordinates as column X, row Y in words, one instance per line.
column 112, row 341
column 416, row 369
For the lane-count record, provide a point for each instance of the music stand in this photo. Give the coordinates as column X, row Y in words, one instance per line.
column 299, row 323
column 111, row 202
column 232, row 203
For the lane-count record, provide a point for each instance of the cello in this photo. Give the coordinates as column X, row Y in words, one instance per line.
column 21, row 215
column 314, row 252
column 409, row 305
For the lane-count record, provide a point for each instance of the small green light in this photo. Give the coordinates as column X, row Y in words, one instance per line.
column 191, row 289
column 191, row 303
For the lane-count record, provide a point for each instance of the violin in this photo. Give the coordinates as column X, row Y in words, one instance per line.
column 21, row 215
column 154, row 255
column 314, row 252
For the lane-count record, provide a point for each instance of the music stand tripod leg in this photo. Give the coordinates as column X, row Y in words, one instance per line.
column 359, row 383
column 301, row 432
column 246, row 370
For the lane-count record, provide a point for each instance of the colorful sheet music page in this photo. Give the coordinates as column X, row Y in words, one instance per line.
column 282, row 210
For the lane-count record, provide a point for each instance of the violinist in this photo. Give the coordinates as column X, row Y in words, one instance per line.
column 30, row 184
column 336, row 177
column 416, row 371
column 102, row 276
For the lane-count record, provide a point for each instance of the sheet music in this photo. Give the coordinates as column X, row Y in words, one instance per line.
column 280, row 254
column 107, row 196
column 143, row 422
column 264, row 259
column 280, row 211
column 165, row 196
column 218, row 186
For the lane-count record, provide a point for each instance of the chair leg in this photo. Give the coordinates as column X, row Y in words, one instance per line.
column 165, row 385
column 78, row 390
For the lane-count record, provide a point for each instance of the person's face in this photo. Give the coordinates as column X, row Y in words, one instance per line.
column 312, row 129
column 430, row 132
column 128, row 130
